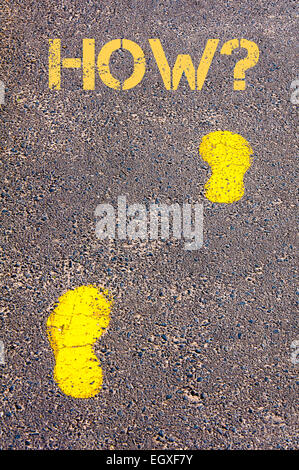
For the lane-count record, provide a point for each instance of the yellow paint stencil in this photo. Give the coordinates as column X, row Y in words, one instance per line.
column 73, row 327
column 229, row 156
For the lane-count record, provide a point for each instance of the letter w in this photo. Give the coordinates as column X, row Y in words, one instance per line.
column 183, row 64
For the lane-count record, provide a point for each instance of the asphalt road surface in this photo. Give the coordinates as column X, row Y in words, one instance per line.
column 198, row 351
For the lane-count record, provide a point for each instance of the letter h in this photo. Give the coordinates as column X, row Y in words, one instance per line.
column 87, row 63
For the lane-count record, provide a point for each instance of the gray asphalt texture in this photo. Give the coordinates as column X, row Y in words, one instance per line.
column 197, row 354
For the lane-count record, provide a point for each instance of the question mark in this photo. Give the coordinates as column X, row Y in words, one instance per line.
column 244, row 64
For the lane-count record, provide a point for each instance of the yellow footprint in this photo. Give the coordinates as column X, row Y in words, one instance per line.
column 73, row 327
column 229, row 156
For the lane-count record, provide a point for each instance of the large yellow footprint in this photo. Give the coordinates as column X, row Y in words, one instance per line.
column 229, row 156
column 73, row 327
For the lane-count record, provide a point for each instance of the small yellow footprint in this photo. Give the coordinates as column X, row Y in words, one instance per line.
column 73, row 327
column 229, row 156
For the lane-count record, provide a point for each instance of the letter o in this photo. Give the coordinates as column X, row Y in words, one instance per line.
column 104, row 59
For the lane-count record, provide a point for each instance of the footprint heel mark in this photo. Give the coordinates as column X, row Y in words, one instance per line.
column 77, row 322
column 229, row 156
